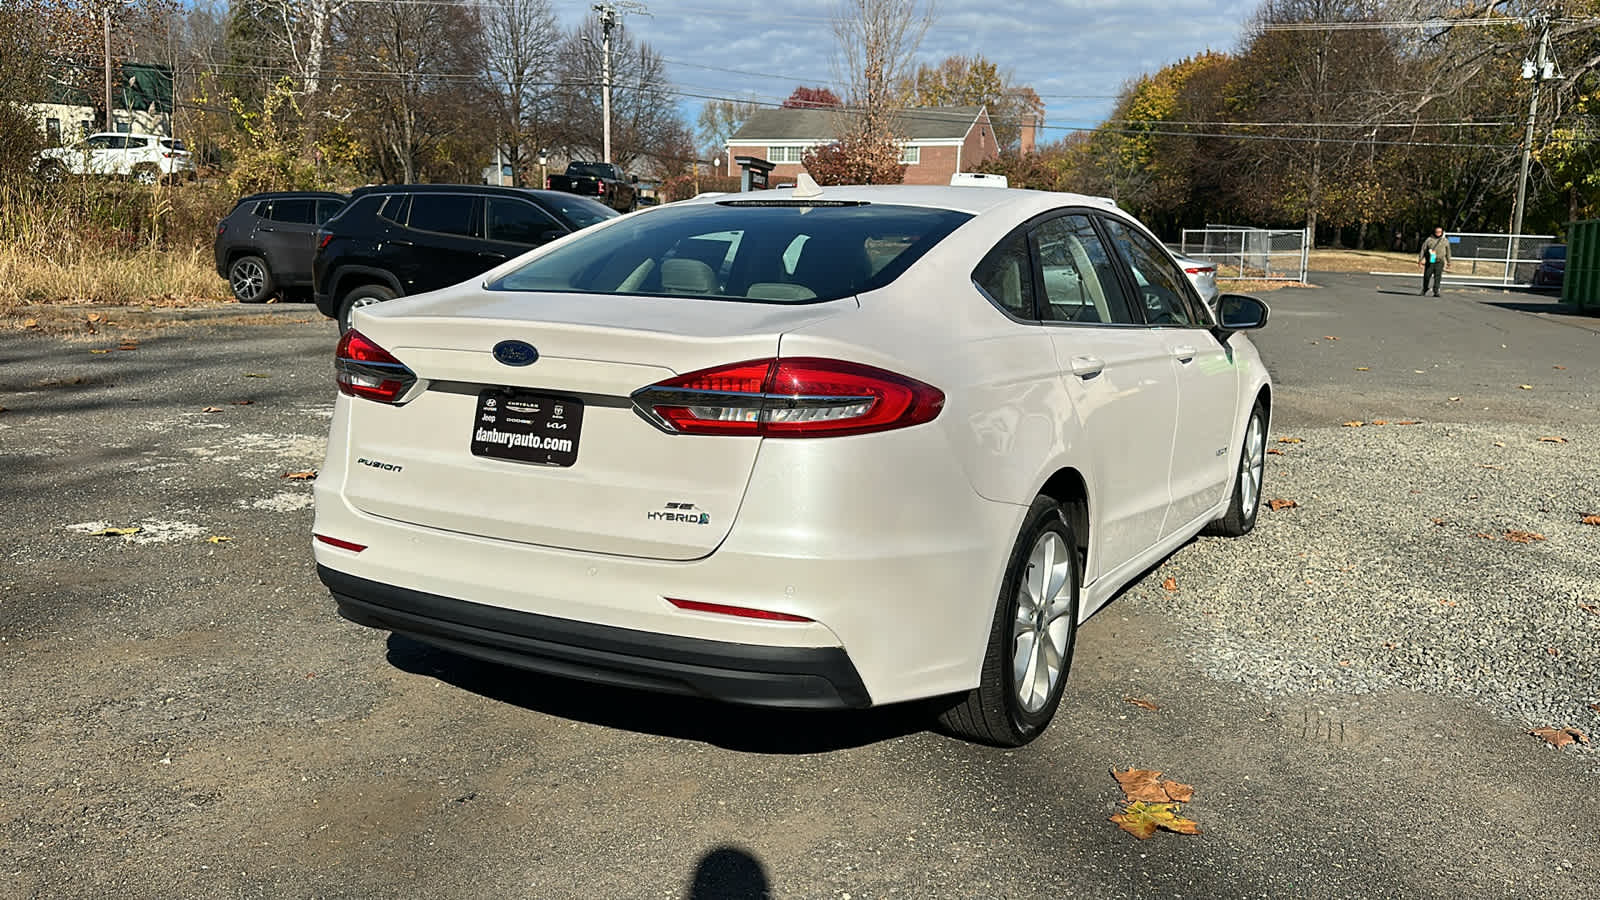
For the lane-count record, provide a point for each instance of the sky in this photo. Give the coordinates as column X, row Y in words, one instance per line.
column 1076, row 54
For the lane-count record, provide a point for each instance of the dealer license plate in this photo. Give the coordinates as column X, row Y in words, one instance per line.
column 531, row 428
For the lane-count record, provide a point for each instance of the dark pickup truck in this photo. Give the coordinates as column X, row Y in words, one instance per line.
column 602, row 181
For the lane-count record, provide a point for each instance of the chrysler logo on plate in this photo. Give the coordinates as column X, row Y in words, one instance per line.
column 515, row 353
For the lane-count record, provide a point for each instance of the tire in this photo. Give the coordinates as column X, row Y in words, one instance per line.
column 146, row 174
column 250, row 279
column 1247, row 480
column 52, row 172
column 1008, row 708
column 365, row 295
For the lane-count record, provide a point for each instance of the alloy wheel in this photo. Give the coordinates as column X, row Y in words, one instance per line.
column 1251, row 466
column 248, row 279
column 1043, row 626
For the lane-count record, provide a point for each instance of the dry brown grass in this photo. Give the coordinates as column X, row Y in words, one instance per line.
column 108, row 278
column 1248, row 286
column 1361, row 261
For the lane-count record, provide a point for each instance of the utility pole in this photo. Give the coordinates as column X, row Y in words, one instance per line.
column 106, row 16
column 610, row 18
column 608, row 21
column 1538, row 70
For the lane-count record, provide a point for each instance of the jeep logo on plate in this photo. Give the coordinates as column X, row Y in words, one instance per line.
column 515, row 353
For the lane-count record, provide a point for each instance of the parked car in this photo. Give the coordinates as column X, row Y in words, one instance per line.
column 394, row 241
column 1202, row 274
column 1552, row 269
column 146, row 158
column 603, row 181
column 856, row 447
column 265, row 246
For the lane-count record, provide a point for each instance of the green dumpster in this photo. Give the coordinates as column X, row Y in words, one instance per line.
column 1580, row 286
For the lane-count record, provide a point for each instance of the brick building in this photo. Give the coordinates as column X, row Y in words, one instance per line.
column 937, row 142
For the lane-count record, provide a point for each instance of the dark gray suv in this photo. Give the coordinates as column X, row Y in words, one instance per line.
column 265, row 246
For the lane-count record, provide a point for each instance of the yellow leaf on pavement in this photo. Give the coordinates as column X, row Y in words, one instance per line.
column 1142, row 704
column 1290, row 440
column 212, row 409
column 218, row 539
column 1279, row 503
column 1525, row 387
column 1363, row 368
column 1142, row 819
column 1354, row 424
column 1553, row 440
column 1170, row 583
column 1587, row 520
column 300, row 476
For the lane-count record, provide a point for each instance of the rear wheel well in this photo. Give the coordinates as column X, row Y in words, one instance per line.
column 1068, row 489
column 349, row 281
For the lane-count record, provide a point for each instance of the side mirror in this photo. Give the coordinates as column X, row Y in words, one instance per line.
column 1238, row 312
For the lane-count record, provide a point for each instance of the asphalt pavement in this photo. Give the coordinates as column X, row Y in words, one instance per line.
column 1348, row 689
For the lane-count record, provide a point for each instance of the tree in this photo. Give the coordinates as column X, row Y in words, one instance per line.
column 719, row 119
column 975, row 81
column 857, row 158
column 520, row 45
column 412, row 73
column 644, row 113
column 812, row 98
column 876, row 41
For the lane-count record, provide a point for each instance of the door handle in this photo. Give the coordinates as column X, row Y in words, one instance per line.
column 1184, row 353
column 492, row 254
column 265, row 228
column 1087, row 367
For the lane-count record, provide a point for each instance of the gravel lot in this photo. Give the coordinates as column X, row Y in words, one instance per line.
column 1348, row 688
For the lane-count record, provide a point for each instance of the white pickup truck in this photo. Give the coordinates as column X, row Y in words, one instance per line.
column 146, row 158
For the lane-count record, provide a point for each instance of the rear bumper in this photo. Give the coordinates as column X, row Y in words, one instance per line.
column 792, row 677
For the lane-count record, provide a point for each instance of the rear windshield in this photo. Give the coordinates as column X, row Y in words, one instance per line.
column 591, row 170
column 1557, row 252
column 793, row 254
column 172, row 144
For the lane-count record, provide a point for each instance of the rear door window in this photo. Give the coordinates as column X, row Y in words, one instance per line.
column 327, row 209
column 1162, row 286
column 394, row 208
column 519, row 222
column 742, row 250
column 299, row 210
column 445, row 214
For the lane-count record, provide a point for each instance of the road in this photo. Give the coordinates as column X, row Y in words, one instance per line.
column 1348, row 688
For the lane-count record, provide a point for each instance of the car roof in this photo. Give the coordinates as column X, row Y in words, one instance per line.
column 484, row 189
column 273, row 195
column 130, row 134
column 964, row 198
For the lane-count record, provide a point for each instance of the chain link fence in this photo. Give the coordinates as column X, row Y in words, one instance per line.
column 1244, row 253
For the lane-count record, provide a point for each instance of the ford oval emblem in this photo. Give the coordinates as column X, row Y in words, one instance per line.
column 516, row 353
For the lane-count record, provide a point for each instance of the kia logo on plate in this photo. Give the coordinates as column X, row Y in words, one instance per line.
column 515, row 353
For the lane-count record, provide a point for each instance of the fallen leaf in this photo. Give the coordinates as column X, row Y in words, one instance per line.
column 300, row 476
column 31, row 323
column 1558, row 367
column 99, row 351
column 1595, row 707
column 1290, row 440
column 1560, row 737
column 1499, row 443
column 1552, row 651
column 1590, row 520
column 218, row 539
column 1142, row 819
column 1179, row 793
column 212, row 409
column 1329, row 337
column 1486, row 536
column 1590, row 608
column 1274, row 451
column 1141, row 785
column 1438, row 522
column 1408, row 422
column 1523, row 537
column 1448, row 603
column 1553, row 440
column 241, row 403
column 1363, row 368
column 116, row 532
column 1380, row 421
column 1525, row 387
column 1142, row 704
column 1278, row 503
column 1354, row 424
column 129, row 345
column 1455, row 399
column 95, row 317
column 255, row 375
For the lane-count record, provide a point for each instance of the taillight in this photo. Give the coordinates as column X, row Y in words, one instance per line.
column 222, row 228
column 1196, row 270
column 548, row 182
column 788, row 398
column 600, row 186
column 324, row 241
column 352, row 546
column 363, row 369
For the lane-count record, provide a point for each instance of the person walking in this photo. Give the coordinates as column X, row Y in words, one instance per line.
column 1434, row 258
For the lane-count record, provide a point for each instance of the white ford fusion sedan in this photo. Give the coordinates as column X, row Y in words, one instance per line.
column 826, row 448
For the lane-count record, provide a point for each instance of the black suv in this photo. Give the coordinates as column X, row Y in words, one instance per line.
column 265, row 246
column 395, row 240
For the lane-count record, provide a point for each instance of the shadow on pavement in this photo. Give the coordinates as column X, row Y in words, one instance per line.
column 741, row 728
column 730, row 873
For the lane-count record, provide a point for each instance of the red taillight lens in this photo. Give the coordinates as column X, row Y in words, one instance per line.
column 364, row 369
column 222, row 228
column 1196, row 270
column 600, row 186
column 352, row 546
column 792, row 398
column 741, row 611
column 547, row 183
column 322, row 243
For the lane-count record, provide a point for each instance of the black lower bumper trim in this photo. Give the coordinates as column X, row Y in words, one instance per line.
column 796, row 677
